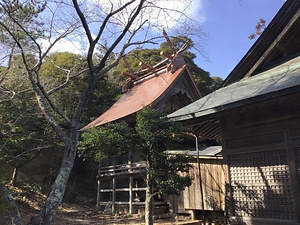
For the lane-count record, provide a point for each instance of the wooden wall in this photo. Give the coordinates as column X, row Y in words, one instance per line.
column 261, row 145
column 213, row 184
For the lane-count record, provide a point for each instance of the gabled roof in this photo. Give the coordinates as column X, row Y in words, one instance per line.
column 270, row 69
column 279, row 40
column 145, row 91
column 165, row 86
column 278, row 81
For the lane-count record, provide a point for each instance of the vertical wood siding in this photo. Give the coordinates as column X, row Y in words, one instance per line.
column 213, row 184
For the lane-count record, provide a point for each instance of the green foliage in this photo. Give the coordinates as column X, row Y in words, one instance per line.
column 154, row 128
column 149, row 56
column 205, row 83
column 155, row 131
column 56, row 71
column 58, row 64
column 23, row 129
column 22, row 133
column 111, row 140
column 21, row 13
column 152, row 132
column 107, row 90
column 177, row 43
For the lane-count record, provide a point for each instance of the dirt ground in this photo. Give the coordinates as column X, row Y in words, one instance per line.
column 75, row 214
column 84, row 212
column 79, row 213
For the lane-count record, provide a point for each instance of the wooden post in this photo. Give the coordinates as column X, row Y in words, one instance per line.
column 98, row 186
column 130, row 194
column 98, row 193
column 200, row 179
column 130, row 182
column 228, row 198
column 113, row 197
column 291, row 156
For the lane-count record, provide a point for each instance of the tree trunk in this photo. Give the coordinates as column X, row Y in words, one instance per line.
column 148, row 208
column 148, row 201
column 11, row 205
column 14, row 176
column 58, row 188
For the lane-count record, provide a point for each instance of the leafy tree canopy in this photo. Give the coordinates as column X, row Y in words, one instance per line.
column 155, row 131
column 149, row 137
column 107, row 141
column 202, row 78
column 29, row 28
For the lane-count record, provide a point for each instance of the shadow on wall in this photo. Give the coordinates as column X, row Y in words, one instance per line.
column 261, row 186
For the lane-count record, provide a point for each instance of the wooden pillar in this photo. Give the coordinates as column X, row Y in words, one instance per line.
column 228, row 198
column 130, row 194
column 113, row 197
column 291, row 156
column 98, row 186
column 130, row 183
column 98, row 193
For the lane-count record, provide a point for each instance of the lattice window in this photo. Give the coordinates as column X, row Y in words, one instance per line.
column 261, row 185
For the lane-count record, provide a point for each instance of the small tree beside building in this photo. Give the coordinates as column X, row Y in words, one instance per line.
column 149, row 136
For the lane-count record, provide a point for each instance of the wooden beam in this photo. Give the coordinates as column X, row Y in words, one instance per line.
column 128, row 66
column 166, row 55
column 145, row 66
column 169, row 42
column 201, row 127
column 273, row 45
column 130, row 75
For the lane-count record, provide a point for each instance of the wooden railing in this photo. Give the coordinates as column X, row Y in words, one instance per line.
column 122, row 169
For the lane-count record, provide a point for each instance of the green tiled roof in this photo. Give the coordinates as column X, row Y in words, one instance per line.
column 275, row 82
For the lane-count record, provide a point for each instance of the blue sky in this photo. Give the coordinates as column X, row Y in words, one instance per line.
column 228, row 23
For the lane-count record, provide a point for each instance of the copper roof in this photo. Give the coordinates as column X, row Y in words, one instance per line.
column 144, row 92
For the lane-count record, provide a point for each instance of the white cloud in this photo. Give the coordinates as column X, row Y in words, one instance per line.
column 159, row 13
column 168, row 18
column 191, row 8
column 65, row 46
column 75, row 42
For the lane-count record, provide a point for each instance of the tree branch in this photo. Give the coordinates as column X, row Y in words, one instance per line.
column 120, row 37
column 68, row 78
column 38, row 149
column 42, row 96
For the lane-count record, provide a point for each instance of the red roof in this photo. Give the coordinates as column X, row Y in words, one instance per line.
column 145, row 91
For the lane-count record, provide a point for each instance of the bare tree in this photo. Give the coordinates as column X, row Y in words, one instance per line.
column 115, row 26
column 259, row 28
